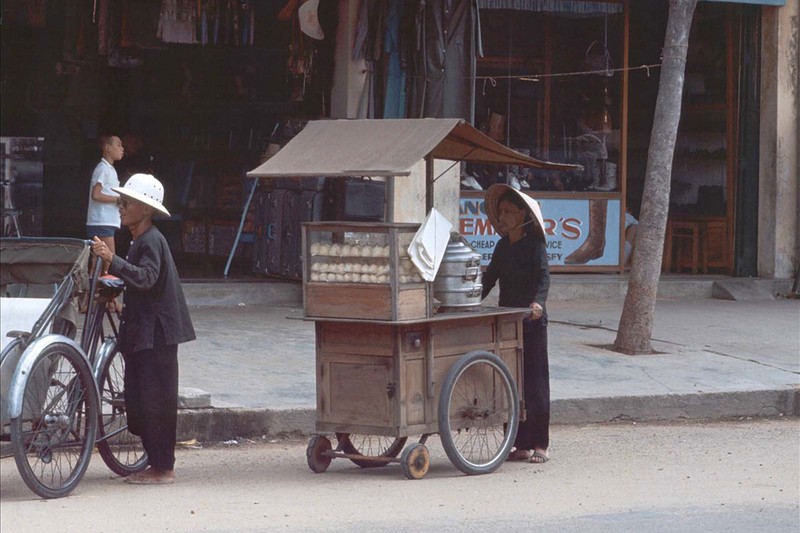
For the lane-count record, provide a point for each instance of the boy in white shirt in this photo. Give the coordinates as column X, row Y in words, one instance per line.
column 102, row 218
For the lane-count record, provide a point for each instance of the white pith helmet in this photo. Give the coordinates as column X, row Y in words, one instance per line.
column 146, row 189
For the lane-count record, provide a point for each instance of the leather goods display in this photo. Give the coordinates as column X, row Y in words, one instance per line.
column 278, row 241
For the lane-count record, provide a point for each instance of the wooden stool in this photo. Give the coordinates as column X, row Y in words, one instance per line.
column 681, row 233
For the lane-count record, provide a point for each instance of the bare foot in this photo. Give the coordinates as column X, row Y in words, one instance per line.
column 519, row 455
column 152, row 476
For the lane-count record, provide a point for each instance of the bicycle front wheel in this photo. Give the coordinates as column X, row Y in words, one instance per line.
column 54, row 435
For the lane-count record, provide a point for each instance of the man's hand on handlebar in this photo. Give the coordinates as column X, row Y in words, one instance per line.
column 100, row 249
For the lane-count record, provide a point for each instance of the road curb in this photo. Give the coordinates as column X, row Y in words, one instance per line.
column 220, row 424
column 668, row 407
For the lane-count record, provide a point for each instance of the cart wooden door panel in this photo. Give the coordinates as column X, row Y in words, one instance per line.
column 355, row 390
column 356, row 384
column 359, row 391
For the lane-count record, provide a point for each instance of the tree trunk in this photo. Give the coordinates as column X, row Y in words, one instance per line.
column 636, row 323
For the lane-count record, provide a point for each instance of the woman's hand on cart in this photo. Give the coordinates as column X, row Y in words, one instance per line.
column 536, row 311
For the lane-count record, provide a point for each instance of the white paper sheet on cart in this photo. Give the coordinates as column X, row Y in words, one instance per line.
column 19, row 314
column 429, row 244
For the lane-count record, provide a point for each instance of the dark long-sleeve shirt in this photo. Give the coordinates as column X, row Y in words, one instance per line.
column 152, row 293
column 522, row 270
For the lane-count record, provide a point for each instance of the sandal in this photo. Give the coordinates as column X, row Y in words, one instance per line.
column 520, row 455
column 538, row 458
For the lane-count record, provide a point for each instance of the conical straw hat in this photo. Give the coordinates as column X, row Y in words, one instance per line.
column 492, row 200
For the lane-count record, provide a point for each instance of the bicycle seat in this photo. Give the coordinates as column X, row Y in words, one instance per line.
column 111, row 282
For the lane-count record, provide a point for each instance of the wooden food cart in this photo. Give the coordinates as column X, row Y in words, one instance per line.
column 455, row 373
column 388, row 365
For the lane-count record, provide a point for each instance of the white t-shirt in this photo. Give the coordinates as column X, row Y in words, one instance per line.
column 103, row 213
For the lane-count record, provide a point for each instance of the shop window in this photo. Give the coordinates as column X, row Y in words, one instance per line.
column 701, row 166
column 547, row 86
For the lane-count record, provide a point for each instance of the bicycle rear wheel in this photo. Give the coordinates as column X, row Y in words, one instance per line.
column 120, row 449
column 54, row 435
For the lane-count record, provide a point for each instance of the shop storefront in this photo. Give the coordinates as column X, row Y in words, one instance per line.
column 576, row 81
column 200, row 90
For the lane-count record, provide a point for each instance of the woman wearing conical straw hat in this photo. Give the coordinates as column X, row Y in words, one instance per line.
column 519, row 264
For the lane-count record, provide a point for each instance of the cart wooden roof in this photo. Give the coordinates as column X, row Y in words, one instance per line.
column 387, row 147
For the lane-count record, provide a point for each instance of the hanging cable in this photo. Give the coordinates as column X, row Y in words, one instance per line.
column 537, row 77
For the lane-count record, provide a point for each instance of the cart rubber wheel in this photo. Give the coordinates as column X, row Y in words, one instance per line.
column 318, row 462
column 121, row 450
column 478, row 412
column 416, row 460
column 371, row 446
column 54, row 436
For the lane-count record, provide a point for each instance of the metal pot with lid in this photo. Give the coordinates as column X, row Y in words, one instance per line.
column 458, row 282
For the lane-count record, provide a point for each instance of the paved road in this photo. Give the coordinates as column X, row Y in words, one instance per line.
column 717, row 477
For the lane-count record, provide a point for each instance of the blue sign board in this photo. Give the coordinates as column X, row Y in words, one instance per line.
column 580, row 232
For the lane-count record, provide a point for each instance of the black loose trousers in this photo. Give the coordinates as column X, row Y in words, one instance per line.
column 151, row 399
column 534, row 432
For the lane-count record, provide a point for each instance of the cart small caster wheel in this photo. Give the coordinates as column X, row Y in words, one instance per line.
column 318, row 461
column 415, row 461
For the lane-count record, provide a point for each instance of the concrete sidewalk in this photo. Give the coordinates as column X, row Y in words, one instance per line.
column 717, row 359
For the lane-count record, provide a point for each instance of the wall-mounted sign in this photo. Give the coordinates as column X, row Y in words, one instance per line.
column 579, row 232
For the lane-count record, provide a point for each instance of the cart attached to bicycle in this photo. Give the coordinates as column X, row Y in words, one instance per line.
column 60, row 396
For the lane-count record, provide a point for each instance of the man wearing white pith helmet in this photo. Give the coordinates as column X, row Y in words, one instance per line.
column 155, row 319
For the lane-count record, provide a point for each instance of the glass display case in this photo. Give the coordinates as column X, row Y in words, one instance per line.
column 362, row 270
